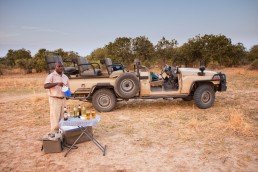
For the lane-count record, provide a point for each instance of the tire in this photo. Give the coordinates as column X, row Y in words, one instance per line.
column 104, row 100
column 204, row 96
column 127, row 85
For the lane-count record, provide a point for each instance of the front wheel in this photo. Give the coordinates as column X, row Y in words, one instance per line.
column 204, row 96
column 104, row 100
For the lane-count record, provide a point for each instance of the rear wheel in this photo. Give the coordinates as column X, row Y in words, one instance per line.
column 104, row 100
column 204, row 96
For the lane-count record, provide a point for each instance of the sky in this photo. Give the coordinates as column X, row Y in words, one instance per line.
column 85, row 25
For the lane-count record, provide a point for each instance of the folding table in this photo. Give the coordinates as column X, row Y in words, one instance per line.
column 83, row 124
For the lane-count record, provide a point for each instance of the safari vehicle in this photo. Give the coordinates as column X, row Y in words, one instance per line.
column 105, row 88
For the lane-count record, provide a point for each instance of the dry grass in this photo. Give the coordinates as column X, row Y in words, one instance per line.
column 21, row 84
column 238, row 123
column 143, row 135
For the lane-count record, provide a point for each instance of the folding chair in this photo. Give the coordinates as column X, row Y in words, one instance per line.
column 110, row 66
column 51, row 60
column 88, row 69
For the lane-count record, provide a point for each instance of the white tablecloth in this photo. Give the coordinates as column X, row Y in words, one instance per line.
column 79, row 122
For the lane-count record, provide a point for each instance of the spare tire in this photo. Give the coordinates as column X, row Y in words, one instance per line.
column 127, row 85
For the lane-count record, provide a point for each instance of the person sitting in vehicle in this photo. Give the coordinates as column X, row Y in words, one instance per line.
column 154, row 76
column 117, row 67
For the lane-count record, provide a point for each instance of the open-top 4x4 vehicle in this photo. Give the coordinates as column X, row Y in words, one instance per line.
column 104, row 89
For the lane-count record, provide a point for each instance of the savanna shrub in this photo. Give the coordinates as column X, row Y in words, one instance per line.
column 254, row 65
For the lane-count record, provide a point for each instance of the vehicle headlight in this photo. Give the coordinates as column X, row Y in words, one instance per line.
column 216, row 77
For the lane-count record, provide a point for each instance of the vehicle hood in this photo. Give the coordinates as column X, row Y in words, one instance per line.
column 194, row 71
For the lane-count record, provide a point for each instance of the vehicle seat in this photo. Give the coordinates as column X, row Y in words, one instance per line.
column 110, row 66
column 86, row 68
column 154, row 76
column 155, row 80
column 51, row 60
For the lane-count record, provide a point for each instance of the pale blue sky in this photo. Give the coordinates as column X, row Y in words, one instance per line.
column 84, row 25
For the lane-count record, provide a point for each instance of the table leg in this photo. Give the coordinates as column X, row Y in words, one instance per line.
column 103, row 149
column 74, row 143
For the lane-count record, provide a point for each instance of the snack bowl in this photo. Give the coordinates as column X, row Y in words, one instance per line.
column 83, row 117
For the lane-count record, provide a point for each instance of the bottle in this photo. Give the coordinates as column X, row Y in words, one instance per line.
column 74, row 112
column 65, row 114
column 79, row 111
column 68, row 111
column 83, row 111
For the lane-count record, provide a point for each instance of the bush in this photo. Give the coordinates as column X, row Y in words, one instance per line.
column 26, row 64
column 254, row 65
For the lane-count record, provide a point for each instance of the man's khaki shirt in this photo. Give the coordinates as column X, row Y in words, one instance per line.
column 54, row 77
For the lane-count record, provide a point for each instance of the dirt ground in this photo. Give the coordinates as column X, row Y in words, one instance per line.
column 141, row 135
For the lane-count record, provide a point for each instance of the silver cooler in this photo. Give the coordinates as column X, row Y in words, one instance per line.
column 71, row 133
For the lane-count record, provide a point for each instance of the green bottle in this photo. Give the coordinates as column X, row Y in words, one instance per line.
column 83, row 111
column 74, row 112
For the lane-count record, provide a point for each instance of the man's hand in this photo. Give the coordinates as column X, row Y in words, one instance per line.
column 50, row 85
column 60, row 84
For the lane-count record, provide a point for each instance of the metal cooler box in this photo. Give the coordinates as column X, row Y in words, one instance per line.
column 53, row 144
column 71, row 133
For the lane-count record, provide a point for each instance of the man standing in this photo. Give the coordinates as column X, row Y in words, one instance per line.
column 54, row 82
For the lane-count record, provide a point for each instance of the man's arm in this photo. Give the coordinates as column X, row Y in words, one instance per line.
column 50, row 85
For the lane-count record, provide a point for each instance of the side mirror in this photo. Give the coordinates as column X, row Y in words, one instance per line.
column 202, row 68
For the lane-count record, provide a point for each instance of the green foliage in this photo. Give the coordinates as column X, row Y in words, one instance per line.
column 98, row 54
column 183, row 56
column 238, row 55
column 143, row 50
column 212, row 49
column 26, row 64
column 200, row 50
column 253, row 54
column 254, row 65
column 39, row 61
column 208, row 50
column 125, row 50
column 2, row 65
column 165, row 50
column 14, row 55
column 120, row 50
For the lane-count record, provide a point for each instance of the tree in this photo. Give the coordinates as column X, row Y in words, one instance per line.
column 99, row 53
column 26, row 64
column 165, row 49
column 71, row 56
column 253, row 53
column 207, row 49
column 221, row 49
column 254, row 65
column 183, row 55
column 143, row 49
column 10, row 58
column 61, row 53
column 14, row 55
column 121, row 50
column 39, row 60
column 237, row 55
column 195, row 53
